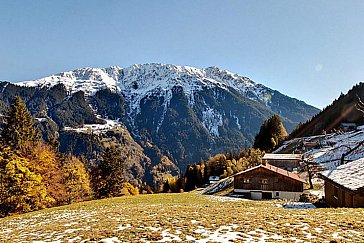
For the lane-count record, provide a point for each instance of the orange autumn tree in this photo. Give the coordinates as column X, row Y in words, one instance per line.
column 21, row 189
column 32, row 174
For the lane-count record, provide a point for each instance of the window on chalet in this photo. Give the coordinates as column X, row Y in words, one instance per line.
column 276, row 180
column 336, row 192
column 246, row 180
column 264, row 181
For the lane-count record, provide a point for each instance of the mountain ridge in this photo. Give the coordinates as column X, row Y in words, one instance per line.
column 118, row 78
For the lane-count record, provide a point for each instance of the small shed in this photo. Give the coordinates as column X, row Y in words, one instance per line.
column 213, row 179
column 288, row 162
column 348, row 126
column 268, row 182
column 344, row 186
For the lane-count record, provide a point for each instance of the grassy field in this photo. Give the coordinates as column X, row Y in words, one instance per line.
column 186, row 217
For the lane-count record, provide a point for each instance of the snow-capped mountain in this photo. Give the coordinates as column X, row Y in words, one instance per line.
column 156, row 80
column 182, row 112
column 139, row 81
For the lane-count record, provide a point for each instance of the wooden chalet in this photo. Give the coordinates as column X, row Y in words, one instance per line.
column 268, row 182
column 344, row 186
column 288, row 162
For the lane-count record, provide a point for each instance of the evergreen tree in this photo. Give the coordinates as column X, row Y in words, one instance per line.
column 18, row 126
column 110, row 174
column 272, row 133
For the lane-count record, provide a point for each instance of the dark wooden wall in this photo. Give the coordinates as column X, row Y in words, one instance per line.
column 275, row 181
column 335, row 196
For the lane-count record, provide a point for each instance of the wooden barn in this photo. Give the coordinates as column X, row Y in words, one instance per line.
column 344, row 186
column 268, row 182
column 288, row 162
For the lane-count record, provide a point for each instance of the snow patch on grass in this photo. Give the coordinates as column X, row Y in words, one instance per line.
column 111, row 240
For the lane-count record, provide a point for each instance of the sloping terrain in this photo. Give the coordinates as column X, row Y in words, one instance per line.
column 328, row 149
column 179, row 112
column 184, row 217
column 346, row 108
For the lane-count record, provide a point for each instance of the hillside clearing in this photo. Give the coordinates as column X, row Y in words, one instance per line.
column 186, row 217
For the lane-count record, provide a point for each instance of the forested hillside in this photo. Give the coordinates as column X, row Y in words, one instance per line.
column 346, row 108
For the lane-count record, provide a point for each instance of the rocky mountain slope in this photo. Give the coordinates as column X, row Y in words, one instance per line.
column 176, row 112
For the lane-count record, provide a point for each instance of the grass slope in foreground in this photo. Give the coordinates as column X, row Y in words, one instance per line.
column 185, row 217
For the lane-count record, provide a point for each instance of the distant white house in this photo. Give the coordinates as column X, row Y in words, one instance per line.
column 214, row 179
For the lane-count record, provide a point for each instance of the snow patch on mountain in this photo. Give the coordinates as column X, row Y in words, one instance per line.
column 211, row 120
column 97, row 128
column 237, row 121
column 165, row 105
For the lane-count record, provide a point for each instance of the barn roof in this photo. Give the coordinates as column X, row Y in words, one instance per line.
column 348, row 124
column 350, row 175
column 283, row 156
column 277, row 170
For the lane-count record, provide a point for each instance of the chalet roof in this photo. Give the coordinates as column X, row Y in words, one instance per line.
column 348, row 124
column 350, row 175
column 277, row 170
column 283, row 156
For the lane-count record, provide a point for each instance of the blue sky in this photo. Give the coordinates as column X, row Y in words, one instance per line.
column 311, row 50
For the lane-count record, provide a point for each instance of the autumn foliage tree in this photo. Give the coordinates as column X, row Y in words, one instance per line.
column 44, row 161
column 76, row 180
column 21, row 189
